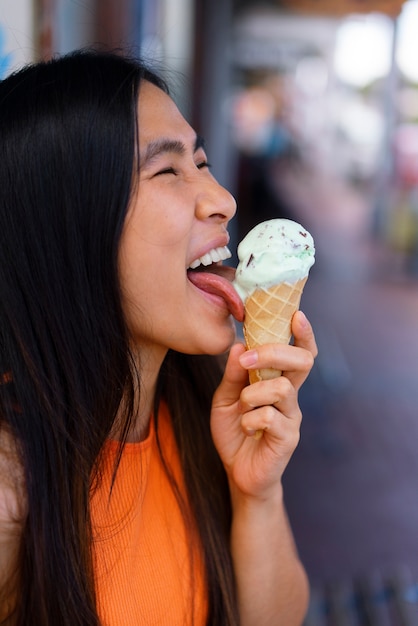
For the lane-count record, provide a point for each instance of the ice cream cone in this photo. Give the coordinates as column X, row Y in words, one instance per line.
column 268, row 318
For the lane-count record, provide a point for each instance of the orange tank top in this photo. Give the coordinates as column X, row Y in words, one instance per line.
column 144, row 573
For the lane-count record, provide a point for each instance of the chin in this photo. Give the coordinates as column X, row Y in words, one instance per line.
column 222, row 341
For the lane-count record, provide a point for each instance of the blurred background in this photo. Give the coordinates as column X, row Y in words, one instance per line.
column 310, row 111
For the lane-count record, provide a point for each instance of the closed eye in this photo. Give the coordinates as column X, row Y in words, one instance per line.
column 167, row 170
column 171, row 170
column 203, row 164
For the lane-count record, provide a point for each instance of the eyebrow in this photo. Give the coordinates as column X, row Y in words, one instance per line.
column 163, row 145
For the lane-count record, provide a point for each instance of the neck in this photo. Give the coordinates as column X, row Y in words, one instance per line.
column 148, row 365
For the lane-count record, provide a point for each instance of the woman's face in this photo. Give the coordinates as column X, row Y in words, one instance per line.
column 179, row 214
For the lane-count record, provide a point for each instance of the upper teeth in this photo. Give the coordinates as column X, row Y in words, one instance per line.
column 213, row 256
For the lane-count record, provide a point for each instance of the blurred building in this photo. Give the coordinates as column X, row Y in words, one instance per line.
column 268, row 83
column 217, row 52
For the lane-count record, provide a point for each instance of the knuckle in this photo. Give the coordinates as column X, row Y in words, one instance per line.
column 308, row 360
column 244, row 395
column 247, row 397
column 269, row 415
column 284, row 387
column 298, row 419
column 295, row 439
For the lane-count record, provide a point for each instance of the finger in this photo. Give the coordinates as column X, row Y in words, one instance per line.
column 303, row 333
column 269, row 420
column 256, row 422
column 278, row 356
column 234, row 379
column 278, row 392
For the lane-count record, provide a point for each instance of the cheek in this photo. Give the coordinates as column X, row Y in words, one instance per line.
column 162, row 218
column 152, row 258
column 166, row 233
column 149, row 275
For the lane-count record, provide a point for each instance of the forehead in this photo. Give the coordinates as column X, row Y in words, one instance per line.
column 159, row 117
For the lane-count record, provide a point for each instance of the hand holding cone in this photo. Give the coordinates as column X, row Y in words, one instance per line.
column 275, row 258
column 268, row 319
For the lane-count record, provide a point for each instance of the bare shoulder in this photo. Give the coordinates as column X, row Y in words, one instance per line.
column 12, row 487
column 12, row 517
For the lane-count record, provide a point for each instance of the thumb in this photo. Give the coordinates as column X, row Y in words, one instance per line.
column 235, row 378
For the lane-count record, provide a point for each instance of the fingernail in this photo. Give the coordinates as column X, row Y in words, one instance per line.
column 248, row 358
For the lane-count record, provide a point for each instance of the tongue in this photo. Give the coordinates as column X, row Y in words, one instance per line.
column 218, row 282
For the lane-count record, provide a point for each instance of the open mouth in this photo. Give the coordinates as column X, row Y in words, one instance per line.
column 209, row 275
column 213, row 256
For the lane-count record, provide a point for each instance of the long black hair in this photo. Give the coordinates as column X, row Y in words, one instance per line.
column 68, row 133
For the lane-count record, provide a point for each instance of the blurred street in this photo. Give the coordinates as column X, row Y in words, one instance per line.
column 352, row 485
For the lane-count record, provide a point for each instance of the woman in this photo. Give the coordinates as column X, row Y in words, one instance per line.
column 132, row 488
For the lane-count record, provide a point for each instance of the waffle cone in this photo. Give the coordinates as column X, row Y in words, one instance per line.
column 268, row 318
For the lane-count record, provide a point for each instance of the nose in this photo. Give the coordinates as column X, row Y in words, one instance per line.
column 215, row 202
